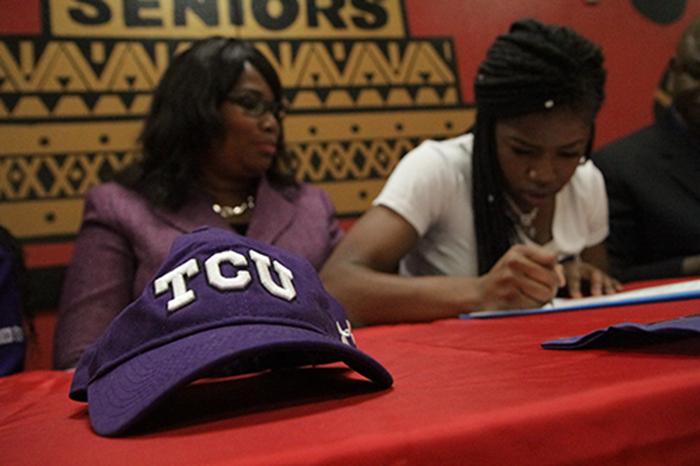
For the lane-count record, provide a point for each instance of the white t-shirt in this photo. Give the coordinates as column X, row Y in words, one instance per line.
column 431, row 188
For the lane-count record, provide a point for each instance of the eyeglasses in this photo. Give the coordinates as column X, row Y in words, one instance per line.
column 256, row 106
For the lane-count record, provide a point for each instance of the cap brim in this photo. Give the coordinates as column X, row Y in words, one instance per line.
column 123, row 396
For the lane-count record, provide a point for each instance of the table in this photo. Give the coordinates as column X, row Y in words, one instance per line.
column 477, row 392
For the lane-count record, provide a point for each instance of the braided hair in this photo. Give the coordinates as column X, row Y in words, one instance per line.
column 533, row 68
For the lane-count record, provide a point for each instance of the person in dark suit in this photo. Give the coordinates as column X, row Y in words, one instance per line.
column 653, row 180
column 213, row 155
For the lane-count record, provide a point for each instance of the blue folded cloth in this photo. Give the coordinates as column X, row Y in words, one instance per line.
column 630, row 334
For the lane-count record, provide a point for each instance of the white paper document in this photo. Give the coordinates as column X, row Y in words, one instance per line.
column 672, row 292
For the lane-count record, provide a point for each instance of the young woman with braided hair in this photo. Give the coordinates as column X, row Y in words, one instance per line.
column 483, row 220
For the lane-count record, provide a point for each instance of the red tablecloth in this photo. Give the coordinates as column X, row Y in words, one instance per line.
column 466, row 392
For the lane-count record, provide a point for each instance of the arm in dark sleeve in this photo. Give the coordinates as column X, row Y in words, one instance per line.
column 98, row 283
column 624, row 243
column 661, row 269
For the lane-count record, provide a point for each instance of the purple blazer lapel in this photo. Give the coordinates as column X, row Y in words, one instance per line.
column 273, row 214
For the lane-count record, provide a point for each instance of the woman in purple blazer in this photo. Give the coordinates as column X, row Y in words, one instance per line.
column 213, row 154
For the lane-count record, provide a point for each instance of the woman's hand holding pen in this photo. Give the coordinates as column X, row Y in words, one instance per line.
column 580, row 275
column 526, row 276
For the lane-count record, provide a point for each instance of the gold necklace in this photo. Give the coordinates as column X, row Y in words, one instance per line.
column 227, row 211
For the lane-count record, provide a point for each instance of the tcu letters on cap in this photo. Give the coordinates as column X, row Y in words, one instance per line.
column 221, row 304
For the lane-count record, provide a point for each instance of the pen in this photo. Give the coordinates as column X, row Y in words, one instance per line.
column 562, row 258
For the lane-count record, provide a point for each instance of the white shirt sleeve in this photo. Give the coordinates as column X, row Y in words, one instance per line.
column 419, row 187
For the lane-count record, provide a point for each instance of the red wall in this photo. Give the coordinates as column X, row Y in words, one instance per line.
column 636, row 49
column 19, row 17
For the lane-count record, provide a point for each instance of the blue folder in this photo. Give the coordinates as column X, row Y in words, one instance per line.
column 631, row 334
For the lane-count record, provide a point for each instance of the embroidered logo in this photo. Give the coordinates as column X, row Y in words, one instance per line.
column 10, row 335
column 175, row 280
column 346, row 335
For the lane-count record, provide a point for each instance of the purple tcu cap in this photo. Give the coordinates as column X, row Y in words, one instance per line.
column 221, row 304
